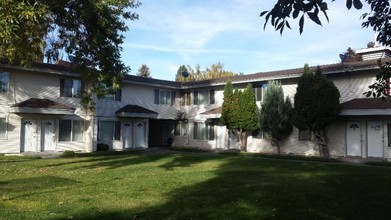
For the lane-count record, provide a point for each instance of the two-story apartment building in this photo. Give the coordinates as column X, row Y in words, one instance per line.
column 40, row 111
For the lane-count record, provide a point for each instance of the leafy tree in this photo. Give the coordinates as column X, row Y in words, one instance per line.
column 379, row 19
column 316, row 105
column 195, row 74
column 275, row 114
column 144, row 71
column 239, row 112
column 88, row 31
column 351, row 56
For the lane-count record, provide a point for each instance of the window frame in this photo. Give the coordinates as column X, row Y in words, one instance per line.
column 210, row 94
column 169, row 99
column 74, row 92
column 5, row 89
column 304, row 137
column 5, row 128
column 115, row 130
column 71, row 130
column 204, row 131
column 116, row 97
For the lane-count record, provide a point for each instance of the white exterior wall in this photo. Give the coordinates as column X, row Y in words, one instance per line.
column 24, row 85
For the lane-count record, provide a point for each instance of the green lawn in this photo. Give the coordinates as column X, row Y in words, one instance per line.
column 188, row 185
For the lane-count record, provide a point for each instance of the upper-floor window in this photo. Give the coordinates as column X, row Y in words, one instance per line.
column 113, row 97
column 70, row 87
column 258, row 92
column 204, row 97
column 4, row 82
column 165, row 97
column 186, row 98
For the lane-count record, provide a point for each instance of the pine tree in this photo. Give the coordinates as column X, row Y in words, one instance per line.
column 144, row 71
column 275, row 114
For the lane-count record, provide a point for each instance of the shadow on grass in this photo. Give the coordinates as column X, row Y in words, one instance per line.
column 252, row 188
column 34, row 185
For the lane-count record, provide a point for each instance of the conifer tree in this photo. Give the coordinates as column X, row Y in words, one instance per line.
column 275, row 114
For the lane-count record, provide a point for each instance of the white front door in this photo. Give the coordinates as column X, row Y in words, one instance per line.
column 221, row 137
column 127, row 135
column 353, row 139
column 47, row 131
column 375, row 139
column 29, row 136
column 140, row 134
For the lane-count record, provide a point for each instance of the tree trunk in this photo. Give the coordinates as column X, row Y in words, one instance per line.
column 321, row 141
column 242, row 139
column 278, row 147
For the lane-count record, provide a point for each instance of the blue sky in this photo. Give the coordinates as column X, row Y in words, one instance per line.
column 180, row 32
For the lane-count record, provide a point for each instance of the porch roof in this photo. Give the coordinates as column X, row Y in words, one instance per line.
column 136, row 111
column 366, row 106
column 42, row 106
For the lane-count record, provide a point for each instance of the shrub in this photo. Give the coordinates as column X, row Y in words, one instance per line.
column 68, row 153
column 102, row 147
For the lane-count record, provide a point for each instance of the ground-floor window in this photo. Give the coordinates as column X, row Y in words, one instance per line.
column 258, row 134
column 70, row 130
column 180, row 128
column 3, row 128
column 204, row 131
column 109, row 130
column 304, row 134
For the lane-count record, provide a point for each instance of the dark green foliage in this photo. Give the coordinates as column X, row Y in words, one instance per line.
column 316, row 105
column 226, row 111
column 275, row 114
column 378, row 19
column 239, row 112
column 68, row 153
column 381, row 87
column 102, row 147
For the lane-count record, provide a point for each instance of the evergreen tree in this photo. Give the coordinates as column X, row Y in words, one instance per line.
column 144, row 71
column 226, row 112
column 316, row 105
column 239, row 112
column 275, row 114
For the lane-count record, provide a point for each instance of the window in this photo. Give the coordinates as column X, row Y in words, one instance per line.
column 70, row 130
column 109, row 130
column 186, row 98
column 4, row 82
column 204, row 131
column 70, row 87
column 257, row 134
column 3, row 128
column 204, row 97
column 113, row 97
column 165, row 97
column 304, row 135
column 180, row 128
column 258, row 92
